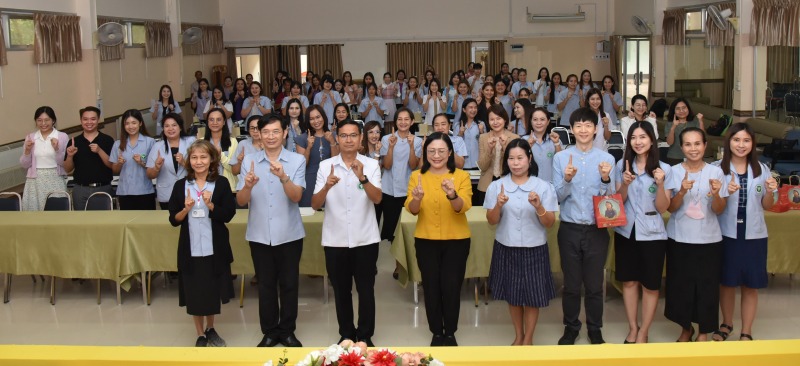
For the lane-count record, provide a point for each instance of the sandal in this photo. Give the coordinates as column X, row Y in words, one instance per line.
column 745, row 335
column 691, row 335
column 721, row 334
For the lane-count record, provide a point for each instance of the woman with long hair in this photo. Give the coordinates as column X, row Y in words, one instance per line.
column 43, row 158
column 594, row 100
column 522, row 113
column 220, row 101
column 316, row 144
column 638, row 112
column 470, row 129
column 491, row 148
column 256, row 104
column 540, row 87
column 294, row 93
column 552, row 92
column 640, row 245
column 570, row 99
column 503, row 96
column 544, row 144
column 218, row 135
column 388, row 90
column 520, row 270
column 237, row 98
column 585, row 82
column 485, row 101
column 680, row 117
column 165, row 162
column 450, row 92
column 612, row 100
column 129, row 160
column 352, row 89
column 200, row 99
column 751, row 190
column 163, row 105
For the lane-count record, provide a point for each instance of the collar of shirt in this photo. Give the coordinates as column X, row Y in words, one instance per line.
column 510, row 186
column 281, row 157
column 39, row 136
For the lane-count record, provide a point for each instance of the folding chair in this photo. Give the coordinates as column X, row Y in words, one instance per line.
column 102, row 201
column 563, row 135
column 57, row 201
column 11, row 203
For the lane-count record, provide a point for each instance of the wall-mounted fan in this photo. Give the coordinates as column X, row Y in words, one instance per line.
column 110, row 34
column 192, row 35
column 721, row 18
column 640, row 24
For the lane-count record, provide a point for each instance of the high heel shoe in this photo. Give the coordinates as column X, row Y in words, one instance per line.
column 691, row 335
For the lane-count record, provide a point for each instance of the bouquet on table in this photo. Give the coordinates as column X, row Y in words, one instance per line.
column 348, row 353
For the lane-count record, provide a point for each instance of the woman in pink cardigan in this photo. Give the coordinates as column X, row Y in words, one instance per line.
column 43, row 157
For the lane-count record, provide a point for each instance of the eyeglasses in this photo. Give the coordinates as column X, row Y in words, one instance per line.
column 442, row 152
column 351, row 136
column 253, row 128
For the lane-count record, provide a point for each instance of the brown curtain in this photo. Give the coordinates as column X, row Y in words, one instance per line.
column 775, row 23
column 783, row 64
column 728, row 79
column 325, row 56
column 719, row 37
column 158, row 40
column 290, row 61
column 3, row 57
column 109, row 53
column 497, row 55
column 269, row 65
column 449, row 57
column 57, row 38
column 616, row 58
column 212, row 39
column 673, row 28
column 231, row 61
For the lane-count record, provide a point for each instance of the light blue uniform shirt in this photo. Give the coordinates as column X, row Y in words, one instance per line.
column 459, row 147
column 519, row 224
column 552, row 107
column 395, row 180
column 508, row 104
column 303, row 101
column 201, row 104
column 543, row 156
column 168, row 175
column 575, row 197
column 756, row 227
column 201, row 240
column 450, row 92
column 133, row 179
column 519, row 85
column 573, row 103
column 413, row 105
column 459, row 103
column 684, row 229
column 160, row 114
column 263, row 101
column 471, row 136
column 518, row 127
column 540, row 88
column 640, row 206
column 273, row 218
column 245, row 145
column 373, row 114
column 328, row 105
column 609, row 109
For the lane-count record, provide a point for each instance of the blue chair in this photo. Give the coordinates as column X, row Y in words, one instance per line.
column 57, row 201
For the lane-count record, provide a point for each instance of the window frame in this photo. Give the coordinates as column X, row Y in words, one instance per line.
column 5, row 19
column 692, row 33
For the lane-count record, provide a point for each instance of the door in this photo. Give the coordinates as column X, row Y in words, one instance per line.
column 636, row 68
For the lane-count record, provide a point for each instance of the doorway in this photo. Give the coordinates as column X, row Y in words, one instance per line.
column 636, row 68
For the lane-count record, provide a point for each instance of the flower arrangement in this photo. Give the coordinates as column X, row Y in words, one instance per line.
column 348, row 353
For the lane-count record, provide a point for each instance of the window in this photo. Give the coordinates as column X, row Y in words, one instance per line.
column 18, row 30
column 303, row 64
column 695, row 22
column 137, row 35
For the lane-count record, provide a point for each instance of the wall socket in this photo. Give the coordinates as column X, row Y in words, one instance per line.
column 601, row 57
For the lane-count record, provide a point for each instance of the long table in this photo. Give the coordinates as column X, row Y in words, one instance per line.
column 783, row 257
column 113, row 245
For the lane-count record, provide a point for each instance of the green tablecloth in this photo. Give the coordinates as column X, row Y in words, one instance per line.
column 783, row 256
column 110, row 244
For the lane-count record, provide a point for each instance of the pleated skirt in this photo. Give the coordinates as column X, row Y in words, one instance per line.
column 521, row 276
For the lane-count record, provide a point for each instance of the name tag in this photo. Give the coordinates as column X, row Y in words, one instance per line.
column 198, row 213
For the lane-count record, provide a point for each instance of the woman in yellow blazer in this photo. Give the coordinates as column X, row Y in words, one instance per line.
column 441, row 195
column 491, row 146
column 217, row 133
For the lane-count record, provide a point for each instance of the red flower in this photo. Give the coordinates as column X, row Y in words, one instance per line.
column 350, row 359
column 383, row 357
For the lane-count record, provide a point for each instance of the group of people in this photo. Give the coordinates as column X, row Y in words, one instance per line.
column 309, row 152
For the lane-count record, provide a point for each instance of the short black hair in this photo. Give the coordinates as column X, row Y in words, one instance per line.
column 270, row 119
column 533, row 168
column 477, row 66
column 349, row 122
column 90, row 108
column 584, row 114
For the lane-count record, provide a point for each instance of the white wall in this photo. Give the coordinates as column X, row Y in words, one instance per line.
column 625, row 9
column 200, row 11
column 139, row 9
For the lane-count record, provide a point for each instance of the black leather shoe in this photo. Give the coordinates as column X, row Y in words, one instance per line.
column 596, row 337
column 437, row 340
column 268, row 341
column 290, row 341
column 450, row 341
column 569, row 337
column 368, row 341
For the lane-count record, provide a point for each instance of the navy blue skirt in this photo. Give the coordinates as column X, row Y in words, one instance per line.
column 744, row 262
column 521, row 276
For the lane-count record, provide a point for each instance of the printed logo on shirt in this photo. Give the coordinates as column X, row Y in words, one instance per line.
column 550, row 154
column 360, row 186
column 758, row 188
column 652, row 188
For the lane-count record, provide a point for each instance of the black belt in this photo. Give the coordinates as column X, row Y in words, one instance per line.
column 93, row 184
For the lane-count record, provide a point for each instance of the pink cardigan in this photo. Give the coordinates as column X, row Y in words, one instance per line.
column 29, row 161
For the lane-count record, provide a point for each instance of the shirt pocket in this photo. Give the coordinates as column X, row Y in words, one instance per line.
column 651, row 224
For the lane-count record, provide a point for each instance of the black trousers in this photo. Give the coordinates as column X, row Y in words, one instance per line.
column 137, row 202
column 392, row 208
column 277, row 267
column 583, row 250
column 442, row 264
column 345, row 265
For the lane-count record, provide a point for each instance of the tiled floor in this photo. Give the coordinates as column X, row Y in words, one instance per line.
column 76, row 319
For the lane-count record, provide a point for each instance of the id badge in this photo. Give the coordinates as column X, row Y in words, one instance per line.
column 198, row 213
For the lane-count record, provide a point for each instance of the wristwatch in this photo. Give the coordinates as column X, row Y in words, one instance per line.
column 364, row 181
column 455, row 195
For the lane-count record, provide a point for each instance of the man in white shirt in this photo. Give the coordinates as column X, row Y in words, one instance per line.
column 476, row 80
column 349, row 185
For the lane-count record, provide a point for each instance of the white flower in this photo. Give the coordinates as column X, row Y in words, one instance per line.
column 435, row 362
column 332, row 353
column 310, row 359
column 268, row 363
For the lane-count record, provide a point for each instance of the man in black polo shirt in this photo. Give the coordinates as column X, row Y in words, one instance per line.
column 87, row 159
